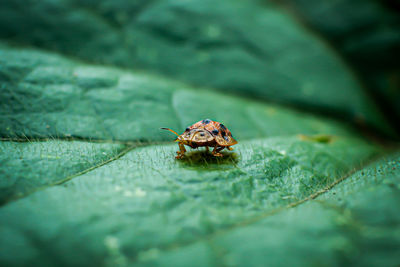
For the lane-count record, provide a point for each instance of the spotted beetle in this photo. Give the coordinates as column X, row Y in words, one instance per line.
column 205, row 133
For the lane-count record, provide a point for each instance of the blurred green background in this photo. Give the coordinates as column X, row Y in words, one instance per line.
column 311, row 89
column 337, row 57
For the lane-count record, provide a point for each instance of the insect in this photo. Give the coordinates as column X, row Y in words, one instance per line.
column 205, row 133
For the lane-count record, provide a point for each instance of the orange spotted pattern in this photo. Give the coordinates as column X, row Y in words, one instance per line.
column 217, row 129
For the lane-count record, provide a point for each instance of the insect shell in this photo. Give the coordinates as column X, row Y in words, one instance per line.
column 205, row 133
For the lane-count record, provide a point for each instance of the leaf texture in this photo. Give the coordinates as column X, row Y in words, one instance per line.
column 87, row 178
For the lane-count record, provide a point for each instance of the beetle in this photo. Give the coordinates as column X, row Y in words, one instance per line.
column 205, row 133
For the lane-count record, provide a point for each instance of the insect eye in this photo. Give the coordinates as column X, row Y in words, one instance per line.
column 215, row 131
column 187, row 129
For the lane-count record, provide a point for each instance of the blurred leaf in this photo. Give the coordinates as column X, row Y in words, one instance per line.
column 235, row 46
column 45, row 95
column 367, row 34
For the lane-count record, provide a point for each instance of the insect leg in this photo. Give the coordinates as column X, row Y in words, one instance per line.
column 216, row 151
column 182, row 151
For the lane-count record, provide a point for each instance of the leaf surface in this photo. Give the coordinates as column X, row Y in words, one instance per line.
column 87, row 178
column 355, row 223
column 27, row 167
column 147, row 200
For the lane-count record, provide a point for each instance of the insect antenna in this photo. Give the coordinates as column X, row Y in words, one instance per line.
column 172, row 131
column 168, row 129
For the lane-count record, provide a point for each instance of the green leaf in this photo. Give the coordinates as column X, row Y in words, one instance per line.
column 147, row 200
column 234, row 46
column 27, row 167
column 354, row 224
column 45, row 95
column 87, row 178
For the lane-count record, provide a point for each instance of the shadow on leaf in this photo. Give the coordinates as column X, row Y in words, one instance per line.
column 204, row 158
